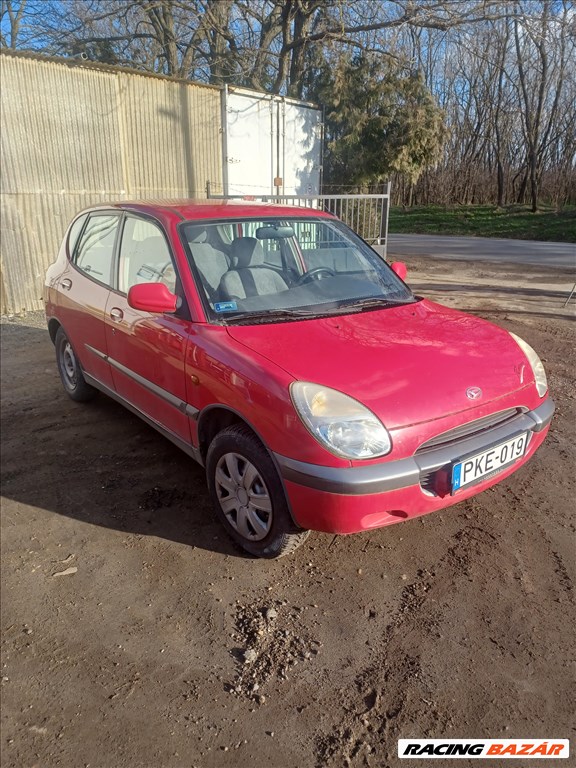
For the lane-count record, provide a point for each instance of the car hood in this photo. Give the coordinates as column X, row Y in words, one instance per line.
column 408, row 364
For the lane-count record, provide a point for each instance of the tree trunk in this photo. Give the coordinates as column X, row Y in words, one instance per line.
column 500, row 181
column 534, row 182
column 302, row 22
column 522, row 191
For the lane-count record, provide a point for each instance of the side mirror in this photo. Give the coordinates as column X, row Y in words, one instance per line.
column 152, row 297
column 400, row 268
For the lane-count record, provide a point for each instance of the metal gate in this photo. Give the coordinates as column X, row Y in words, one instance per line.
column 365, row 214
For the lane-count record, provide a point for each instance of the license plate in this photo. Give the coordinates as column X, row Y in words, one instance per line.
column 476, row 467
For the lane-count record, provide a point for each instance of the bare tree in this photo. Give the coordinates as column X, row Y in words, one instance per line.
column 498, row 69
column 541, row 79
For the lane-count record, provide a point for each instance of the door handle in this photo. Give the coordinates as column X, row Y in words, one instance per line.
column 66, row 284
column 116, row 314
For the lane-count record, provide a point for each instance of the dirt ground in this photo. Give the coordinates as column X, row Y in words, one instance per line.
column 166, row 647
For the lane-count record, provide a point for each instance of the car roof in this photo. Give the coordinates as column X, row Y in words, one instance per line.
column 218, row 209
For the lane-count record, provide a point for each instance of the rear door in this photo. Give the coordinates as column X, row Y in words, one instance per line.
column 301, row 142
column 147, row 351
column 84, row 287
column 249, row 143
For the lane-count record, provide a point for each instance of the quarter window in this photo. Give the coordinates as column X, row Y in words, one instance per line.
column 75, row 230
column 95, row 251
column 144, row 256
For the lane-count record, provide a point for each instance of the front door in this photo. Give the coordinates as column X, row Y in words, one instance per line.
column 147, row 351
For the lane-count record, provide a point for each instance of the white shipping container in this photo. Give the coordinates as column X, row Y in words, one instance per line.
column 269, row 139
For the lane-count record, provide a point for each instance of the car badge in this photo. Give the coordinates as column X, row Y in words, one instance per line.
column 474, row 393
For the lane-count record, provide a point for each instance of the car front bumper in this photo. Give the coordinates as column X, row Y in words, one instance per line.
column 353, row 499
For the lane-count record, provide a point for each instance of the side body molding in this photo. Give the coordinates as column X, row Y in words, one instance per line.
column 182, row 406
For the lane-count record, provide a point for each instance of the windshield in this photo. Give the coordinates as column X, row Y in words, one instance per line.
column 269, row 270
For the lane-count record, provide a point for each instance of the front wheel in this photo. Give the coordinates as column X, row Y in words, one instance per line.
column 248, row 496
column 70, row 371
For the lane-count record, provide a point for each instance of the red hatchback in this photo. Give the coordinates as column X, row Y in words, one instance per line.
column 281, row 352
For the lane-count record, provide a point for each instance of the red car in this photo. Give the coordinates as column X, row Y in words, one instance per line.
column 281, row 352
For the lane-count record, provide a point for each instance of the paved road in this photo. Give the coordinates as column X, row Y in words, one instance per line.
column 531, row 252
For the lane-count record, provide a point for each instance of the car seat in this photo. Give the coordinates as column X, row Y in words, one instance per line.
column 211, row 263
column 249, row 275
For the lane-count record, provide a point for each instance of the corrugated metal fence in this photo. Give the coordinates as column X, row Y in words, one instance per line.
column 76, row 135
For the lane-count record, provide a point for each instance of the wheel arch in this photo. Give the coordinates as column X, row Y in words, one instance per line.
column 214, row 418
column 53, row 326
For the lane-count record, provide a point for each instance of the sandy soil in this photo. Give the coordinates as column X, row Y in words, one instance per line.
column 165, row 647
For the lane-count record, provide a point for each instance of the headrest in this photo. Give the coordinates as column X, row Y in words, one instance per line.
column 246, row 252
column 199, row 237
column 151, row 248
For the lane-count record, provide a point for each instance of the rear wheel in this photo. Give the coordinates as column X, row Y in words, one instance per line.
column 70, row 371
column 248, row 496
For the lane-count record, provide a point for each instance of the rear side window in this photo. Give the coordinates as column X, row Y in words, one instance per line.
column 75, row 230
column 95, row 251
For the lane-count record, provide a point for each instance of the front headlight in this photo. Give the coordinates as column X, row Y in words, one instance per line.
column 341, row 424
column 535, row 363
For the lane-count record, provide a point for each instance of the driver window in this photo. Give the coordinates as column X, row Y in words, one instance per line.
column 144, row 256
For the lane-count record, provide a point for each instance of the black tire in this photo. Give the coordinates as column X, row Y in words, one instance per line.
column 70, row 370
column 263, row 526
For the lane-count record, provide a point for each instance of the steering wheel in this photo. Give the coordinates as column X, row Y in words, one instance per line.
column 314, row 274
column 167, row 275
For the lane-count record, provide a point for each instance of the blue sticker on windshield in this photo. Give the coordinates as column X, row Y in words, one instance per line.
column 225, row 306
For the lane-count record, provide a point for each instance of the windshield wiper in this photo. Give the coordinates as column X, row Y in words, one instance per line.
column 271, row 314
column 376, row 303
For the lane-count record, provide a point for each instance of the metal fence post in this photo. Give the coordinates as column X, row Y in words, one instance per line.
column 385, row 217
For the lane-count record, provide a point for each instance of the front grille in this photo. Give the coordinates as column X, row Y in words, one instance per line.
column 436, row 481
column 470, row 429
